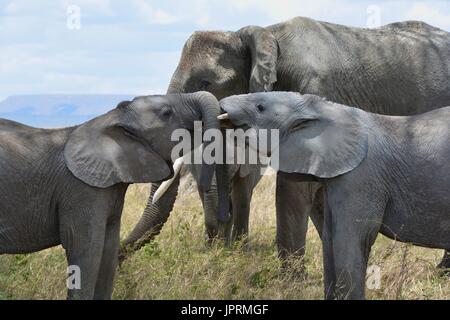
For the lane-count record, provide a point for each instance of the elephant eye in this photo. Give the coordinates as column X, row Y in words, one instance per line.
column 204, row 84
column 166, row 112
column 260, row 107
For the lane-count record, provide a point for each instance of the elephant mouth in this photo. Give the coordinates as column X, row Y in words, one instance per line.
column 300, row 124
column 227, row 121
column 170, row 165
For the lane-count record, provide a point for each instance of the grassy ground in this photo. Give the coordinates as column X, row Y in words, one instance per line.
column 178, row 265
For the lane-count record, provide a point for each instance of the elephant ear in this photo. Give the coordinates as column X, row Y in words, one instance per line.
column 263, row 48
column 331, row 143
column 102, row 152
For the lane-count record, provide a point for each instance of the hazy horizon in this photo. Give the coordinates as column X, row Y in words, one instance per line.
column 57, row 110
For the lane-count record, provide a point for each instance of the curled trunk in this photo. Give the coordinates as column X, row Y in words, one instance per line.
column 152, row 220
column 210, row 109
column 208, row 106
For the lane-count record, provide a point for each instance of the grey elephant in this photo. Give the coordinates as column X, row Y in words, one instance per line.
column 397, row 69
column 387, row 174
column 67, row 186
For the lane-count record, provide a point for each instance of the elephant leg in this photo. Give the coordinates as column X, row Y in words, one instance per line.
column 351, row 248
column 241, row 197
column 213, row 228
column 329, row 277
column 351, row 228
column 152, row 220
column 109, row 261
column 84, row 251
column 240, row 203
column 293, row 204
column 317, row 211
column 445, row 263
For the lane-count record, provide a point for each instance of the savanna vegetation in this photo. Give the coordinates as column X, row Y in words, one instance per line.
column 179, row 265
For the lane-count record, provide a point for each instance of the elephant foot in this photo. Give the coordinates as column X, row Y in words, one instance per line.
column 294, row 267
column 210, row 237
column 124, row 253
column 241, row 243
column 444, row 265
column 219, row 232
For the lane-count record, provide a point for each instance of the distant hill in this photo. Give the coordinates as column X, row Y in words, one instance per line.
column 50, row 111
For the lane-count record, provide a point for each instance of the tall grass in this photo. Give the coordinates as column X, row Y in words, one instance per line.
column 179, row 265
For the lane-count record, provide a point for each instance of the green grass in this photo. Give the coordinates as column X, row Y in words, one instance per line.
column 179, row 265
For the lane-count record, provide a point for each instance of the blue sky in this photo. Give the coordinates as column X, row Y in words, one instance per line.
column 132, row 47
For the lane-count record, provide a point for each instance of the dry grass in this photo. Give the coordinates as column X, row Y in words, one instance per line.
column 178, row 265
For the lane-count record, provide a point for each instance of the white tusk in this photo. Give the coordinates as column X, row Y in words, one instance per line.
column 166, row 184
column 223, row 117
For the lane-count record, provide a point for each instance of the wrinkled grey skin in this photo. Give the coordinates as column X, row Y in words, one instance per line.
column 397, row 69
column 379, row 173
column 67, row 186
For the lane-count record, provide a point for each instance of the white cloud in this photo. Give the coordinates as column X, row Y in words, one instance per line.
column 279, row 10
column 18, row 7
column 33, row 69
column 11, row 8
column 16, row 58
column 97, row 6
column 432, row 15
column 201, row 12
column 38, row 54
column 153, row 15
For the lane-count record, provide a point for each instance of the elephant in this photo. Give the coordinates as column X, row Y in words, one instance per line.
column 380, row 174
column 67, row 186
column 398, row 69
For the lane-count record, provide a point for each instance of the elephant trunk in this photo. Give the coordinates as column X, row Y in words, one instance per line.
column 151, row 221
column 204, row 106
column 210, row 204
column 223, row 186
column 210, row 110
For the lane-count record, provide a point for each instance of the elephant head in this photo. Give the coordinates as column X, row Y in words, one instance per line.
column 317, row 137
column 227, row 63
column 132, row 143
column 222, row 63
